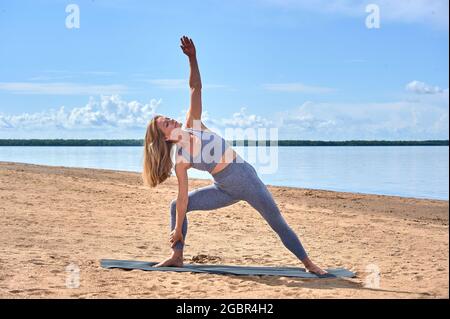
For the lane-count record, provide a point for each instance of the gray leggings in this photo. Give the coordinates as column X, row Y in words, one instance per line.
column 239, row 181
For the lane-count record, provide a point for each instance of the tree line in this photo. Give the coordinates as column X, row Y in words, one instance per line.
column 140, row 142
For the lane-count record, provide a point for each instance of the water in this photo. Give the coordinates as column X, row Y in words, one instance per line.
column 411, row 171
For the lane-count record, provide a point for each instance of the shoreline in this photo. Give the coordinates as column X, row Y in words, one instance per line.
column 251, row 143
column 55, row 216
column 205, row 179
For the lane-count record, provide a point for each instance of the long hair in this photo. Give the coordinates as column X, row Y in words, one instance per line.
column 157, row 155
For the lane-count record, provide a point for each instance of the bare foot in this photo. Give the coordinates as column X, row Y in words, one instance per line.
column 313, row 268
column 171, row 262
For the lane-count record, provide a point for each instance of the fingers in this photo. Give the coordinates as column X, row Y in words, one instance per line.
column 186, row 42
column 172, row 243
column 173, row 240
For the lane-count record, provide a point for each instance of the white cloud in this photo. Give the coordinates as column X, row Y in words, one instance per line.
column 4, row 123
column 429, row 12
column 62, row 75
column 423, row 117
column 50, row 78
column 61, row 88
column 390, row 120
column 423, row 88
column 99, row 73
column 297, row 87
column 170, row 83
column 111, row 111
column 240, row 120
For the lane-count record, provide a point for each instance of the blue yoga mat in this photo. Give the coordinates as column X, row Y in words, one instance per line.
column 226, row 269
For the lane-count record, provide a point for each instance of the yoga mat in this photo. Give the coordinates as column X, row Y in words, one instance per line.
column 225, row 269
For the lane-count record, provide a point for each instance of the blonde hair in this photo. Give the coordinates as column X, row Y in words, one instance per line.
column 158, row 163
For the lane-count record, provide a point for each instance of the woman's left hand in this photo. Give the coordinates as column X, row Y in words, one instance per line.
column 175, row 236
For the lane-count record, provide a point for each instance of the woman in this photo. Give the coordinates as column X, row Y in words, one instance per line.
column 234, row 178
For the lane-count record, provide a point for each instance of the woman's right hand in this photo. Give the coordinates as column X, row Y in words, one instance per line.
column 188, row 47
column 175, row 236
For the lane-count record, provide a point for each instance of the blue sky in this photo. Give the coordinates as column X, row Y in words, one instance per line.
column 311, row 69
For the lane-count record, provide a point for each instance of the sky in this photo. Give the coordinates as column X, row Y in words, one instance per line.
column 311, row 70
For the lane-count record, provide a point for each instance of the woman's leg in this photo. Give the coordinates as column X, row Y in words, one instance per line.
column 261, row 199
column 204, row 198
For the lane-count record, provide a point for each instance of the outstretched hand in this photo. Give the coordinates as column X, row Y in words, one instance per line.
column 188, row 47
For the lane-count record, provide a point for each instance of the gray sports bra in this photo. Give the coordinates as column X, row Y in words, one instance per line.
column 213, row 146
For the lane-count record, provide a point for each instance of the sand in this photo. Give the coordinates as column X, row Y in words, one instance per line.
column 58, row 222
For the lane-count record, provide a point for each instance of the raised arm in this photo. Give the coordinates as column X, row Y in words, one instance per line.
column 195, row 82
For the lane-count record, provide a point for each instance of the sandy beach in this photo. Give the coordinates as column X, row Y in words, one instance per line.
column 55, row 217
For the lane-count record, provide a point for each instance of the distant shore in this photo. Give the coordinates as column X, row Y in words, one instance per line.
column 54, row 216
column 134, row 142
